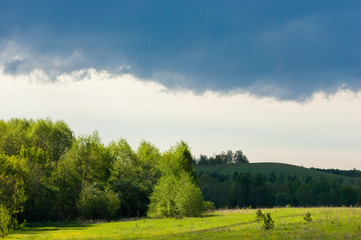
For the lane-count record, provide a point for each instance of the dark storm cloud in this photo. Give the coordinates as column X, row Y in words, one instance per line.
column 286, row 49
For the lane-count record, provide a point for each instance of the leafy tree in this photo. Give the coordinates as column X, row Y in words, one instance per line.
column 149, row 157
column 5, row 221
column 178, row 159
column 38, row 187
column 14, row 135
column 12, row 194
column 52, row 138
column 239, row 157
column 95, row 203
column 132, row 176
column 88, row 161
column 90, row 158
column 67, row 182
column 176, row 196
column 203, row 160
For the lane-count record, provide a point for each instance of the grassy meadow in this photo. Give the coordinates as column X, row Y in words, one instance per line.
column 327, row 223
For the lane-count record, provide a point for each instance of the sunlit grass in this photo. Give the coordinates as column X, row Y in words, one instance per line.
column 327, row 223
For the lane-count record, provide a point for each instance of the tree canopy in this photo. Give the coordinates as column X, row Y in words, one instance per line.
column 47, row 174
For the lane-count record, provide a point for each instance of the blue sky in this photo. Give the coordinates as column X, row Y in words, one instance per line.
column 270, row 54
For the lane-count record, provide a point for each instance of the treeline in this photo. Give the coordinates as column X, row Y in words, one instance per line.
column 48, row 174
column 257, row 190
column 348, row 173
column 223, row 158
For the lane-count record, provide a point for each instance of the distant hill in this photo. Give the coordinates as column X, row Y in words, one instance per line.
column 280, row 170
column 349, row 173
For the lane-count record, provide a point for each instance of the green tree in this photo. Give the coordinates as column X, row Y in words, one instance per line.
column 95, row 203
column 176, row 196
column 239, row 157
column 283, row 199
column 149, row 157
column 92, row 160
column 38, row 187
column 5, row 221
column 14, row 135
column 178, row 159
column 52, row 138
column 12, row 195
column 88, row 161
column 132, row 177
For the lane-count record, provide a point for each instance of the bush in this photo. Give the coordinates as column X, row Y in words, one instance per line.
column 176, row 196
column 208, row 205
column 97, row 204
column 5, row 221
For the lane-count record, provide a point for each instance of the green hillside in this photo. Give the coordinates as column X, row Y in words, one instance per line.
column 281, row 170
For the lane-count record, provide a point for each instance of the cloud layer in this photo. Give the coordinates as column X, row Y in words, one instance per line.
column 283, row 49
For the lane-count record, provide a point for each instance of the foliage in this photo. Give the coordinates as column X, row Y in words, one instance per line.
column 177, row 159
column 223, row 158
column 176, row 196
column 5, row 221
column 95, row 203
column 283, row 199
column 47, row 174
column 349, row 173
column 209, row 206
column 268, row 222
column 54, row 138
column 89, row 158
column 12, row 194
column 132, row 176
column 268, row 185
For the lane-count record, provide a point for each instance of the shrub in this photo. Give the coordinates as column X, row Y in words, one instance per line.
column 268, row 222
column 97, row 204
column 208, row 205
column 5, row 221
column 176, row 196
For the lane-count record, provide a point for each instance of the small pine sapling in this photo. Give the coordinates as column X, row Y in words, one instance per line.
column 268, row 222
column 308, row 217
column 259, row 215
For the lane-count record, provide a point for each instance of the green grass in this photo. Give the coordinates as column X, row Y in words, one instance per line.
column 328, row 223
column 279, row 169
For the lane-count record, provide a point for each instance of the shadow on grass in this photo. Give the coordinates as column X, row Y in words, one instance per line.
column 34, row 228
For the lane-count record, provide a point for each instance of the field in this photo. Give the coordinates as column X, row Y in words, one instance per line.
column 279, row 169
column 327, row 223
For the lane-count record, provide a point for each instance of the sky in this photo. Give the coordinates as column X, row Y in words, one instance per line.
column 279, row 80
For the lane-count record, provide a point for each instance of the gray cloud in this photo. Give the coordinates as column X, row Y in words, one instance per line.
column 287, row 50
